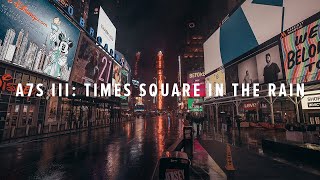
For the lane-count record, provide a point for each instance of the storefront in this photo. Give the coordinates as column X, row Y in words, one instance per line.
column 19, row 113
column 311, row 107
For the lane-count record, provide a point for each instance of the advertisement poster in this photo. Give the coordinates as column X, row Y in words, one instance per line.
column 46, row 44
column 197, row 77
column 124, row 80
column 91, row 65
column 269, row 66
column 247, row 71
column 106, row 30
column 300, row 51
column 192, row 107
column 217, row 77
column 116, row 73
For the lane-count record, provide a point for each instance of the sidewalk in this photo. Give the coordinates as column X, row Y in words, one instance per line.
column 253, row 166
column 203, row 166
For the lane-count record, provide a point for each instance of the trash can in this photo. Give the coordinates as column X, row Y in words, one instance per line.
column 174, row 166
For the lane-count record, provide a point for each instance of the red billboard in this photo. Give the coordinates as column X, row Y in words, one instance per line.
column 197, row 77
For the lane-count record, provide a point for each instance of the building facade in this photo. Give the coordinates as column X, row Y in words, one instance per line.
column 263, row 55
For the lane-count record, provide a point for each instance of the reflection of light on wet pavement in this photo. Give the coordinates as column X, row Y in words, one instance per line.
column 112, row 160
column 160, row 136
column 204, row 166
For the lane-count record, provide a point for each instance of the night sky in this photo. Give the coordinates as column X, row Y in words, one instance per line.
column 152, row 25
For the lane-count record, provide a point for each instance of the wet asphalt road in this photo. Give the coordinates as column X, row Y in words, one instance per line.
column 124, row 151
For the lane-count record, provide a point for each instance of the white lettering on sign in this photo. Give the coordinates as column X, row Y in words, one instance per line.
column 250, row 105
column 312, row 99
column 196, row 74
column 174, row 174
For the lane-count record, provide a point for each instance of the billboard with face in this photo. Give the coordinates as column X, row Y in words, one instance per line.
column 124, row 80
column 116, row 73
column 252, row 24
column 300, row 51
column 38, row 37
column 91, row 65
column 269, row 66
column 247, row 71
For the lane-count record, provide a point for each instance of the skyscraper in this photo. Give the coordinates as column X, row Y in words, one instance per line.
column 40, row 59
column 18, row 45
column 192, row 58
column 160, row 79
column 136, row 66
column 22, row 49
column 30, row 55
column 8, row 40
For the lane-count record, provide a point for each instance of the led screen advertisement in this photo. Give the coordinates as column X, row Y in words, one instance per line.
column 92, row 64
column 300, row 51
column 264, row 67
column 218, row 77
column 124, row 80
column 45, row 44
column 251, row 25
column 116, row 76
column 106, row 31
column 199, row 78
column 192, row 107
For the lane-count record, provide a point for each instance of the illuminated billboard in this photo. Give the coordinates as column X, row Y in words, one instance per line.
column 199, row 78
column 217, row 77
column 192, row 107
column 106, row 32
column 91, row 65
column 45, row 44
column 300, row 51
column 124, row 80
column 252, row 24
column 264, row 67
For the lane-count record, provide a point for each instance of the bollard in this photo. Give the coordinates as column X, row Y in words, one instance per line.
column 39, row 129
column 27, row 130
column 229, row 163
column 58, row 129
column 174, row 165
column 66, row 126
column 12, row 131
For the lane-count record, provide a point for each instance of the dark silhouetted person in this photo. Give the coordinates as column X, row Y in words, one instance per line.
column 271, row 70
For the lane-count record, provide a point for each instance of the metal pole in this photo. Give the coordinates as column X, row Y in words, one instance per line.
column 272, row 112
column 180, row 81
column 217, row 116
column 297, row 109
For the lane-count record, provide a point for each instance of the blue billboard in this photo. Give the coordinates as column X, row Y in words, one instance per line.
column 36, row 36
